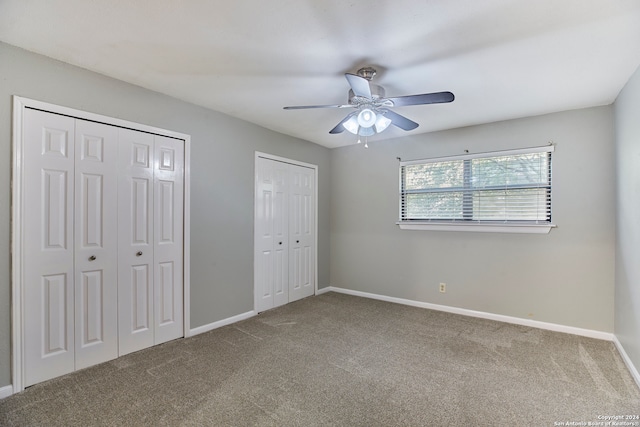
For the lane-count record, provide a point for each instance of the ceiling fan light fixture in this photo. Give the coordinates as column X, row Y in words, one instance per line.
column 352, row 125
column 367, row 118
column 382, row 123
column 367, row 123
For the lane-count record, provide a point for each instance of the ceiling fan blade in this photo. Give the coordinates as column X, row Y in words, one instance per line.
column 359, row 85
column 339, row 128
column 400, row 121
column 303, row 107
column 425, row 98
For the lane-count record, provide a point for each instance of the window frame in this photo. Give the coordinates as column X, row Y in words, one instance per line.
column 468, row 224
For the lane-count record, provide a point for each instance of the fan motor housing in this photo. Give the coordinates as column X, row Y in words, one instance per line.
column 377, row 92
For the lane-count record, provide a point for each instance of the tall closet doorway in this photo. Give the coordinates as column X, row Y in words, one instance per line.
column 285, row 231
column 99, row 248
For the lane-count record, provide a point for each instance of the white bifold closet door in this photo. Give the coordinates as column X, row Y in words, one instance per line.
column 284, row 233
column 150, row 215
column 96, row 245
column 103, row 243
column 69, row 260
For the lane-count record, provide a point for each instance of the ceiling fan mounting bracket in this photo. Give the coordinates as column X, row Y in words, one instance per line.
column 367, row 72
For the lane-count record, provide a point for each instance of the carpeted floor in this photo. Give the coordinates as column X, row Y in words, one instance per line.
column 338, row 360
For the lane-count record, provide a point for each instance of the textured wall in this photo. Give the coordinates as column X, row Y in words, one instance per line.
column 564, row 277
column 627, row 303
column 222, row 179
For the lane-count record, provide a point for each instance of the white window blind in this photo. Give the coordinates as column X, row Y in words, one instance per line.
column 501, row 187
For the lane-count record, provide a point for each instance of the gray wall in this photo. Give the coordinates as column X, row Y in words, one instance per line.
column 627, row 279
column 222, row 170
column 564, row 277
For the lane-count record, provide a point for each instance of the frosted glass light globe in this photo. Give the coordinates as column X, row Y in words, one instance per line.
column 366, row 118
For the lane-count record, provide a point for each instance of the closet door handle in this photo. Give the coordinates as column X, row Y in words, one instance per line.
column 139, row 253
column 92, row 258
column 279, row 243
column 297, row 241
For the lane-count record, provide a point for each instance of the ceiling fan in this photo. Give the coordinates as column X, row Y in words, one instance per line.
column 373, row 114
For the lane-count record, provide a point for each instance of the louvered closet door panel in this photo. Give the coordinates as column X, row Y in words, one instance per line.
column 48, row 245
column 301, row 232
column 135, row 241
column 168, row 238
column 96, row 251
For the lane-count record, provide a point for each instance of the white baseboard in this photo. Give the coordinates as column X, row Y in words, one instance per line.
column 627, row 361
column 324, row 290
column 6, row 391
column 480, row 314
column 220, row 323
column 229, row 320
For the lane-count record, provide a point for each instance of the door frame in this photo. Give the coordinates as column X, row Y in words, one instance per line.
column 259, row 154
column 18, row 210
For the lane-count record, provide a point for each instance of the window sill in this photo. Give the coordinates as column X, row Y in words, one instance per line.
column 476, row 227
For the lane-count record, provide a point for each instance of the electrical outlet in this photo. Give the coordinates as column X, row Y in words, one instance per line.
column 443, row 287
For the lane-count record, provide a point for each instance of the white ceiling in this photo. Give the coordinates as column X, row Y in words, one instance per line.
column 502, row 59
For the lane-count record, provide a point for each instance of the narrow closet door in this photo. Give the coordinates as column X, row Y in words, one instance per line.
column 168, row 238
column 48, row 245
column 96, row 251
column 280, row 211
column 271, row 241
column 135, row 240
column 263, row 251
column 301, row 232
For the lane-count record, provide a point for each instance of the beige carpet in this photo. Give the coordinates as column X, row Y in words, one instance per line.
column 338, row 360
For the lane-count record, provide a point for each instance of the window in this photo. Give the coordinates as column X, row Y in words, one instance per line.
column 501, row 191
